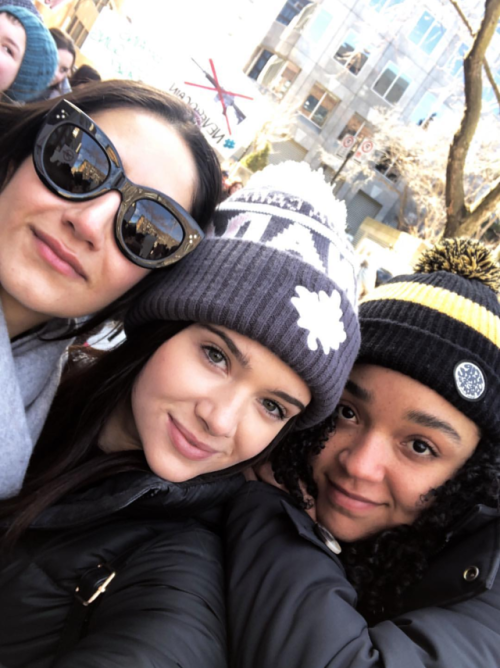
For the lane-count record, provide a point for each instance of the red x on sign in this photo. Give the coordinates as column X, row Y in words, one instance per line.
column 221, row 92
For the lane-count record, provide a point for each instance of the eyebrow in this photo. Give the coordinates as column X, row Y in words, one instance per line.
column 290, row 399
column 428, row 420
column 245, row 362
column 242, row 359
column 358, row 391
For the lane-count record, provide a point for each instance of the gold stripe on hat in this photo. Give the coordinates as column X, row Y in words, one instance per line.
column 455, row 306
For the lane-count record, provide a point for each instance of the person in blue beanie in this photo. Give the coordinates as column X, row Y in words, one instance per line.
column 29, row 58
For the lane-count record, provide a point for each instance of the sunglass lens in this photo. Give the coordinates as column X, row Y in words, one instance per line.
column 150, row 231
column 74, row 161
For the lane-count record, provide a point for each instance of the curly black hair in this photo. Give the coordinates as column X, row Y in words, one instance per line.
column 382, row 567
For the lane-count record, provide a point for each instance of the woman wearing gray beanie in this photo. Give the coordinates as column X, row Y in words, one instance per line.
column 251, row 337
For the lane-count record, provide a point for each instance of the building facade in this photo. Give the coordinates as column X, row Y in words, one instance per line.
column 335, row 61
column 76, row 18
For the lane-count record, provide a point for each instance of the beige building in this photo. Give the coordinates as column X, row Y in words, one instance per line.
column 76, row 18
column 335, row 61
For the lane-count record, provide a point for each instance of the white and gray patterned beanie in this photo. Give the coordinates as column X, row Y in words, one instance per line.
column 275, row 266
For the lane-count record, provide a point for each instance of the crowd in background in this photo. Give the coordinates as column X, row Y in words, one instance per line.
column 36, row 63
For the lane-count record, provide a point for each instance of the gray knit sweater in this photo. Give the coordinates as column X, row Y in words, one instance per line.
column 29, row 374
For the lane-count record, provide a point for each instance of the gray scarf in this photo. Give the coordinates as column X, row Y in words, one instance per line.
column 30, row 369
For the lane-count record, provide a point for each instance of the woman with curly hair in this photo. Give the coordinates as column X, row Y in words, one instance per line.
column 401, row 567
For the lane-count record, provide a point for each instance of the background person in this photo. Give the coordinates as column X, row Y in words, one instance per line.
column 28, row 58
column 69, row 248
column 66, row 55
column 27, row 4
column 222, row 356
column 402, row 569
column 233, row 187
column 84, row 74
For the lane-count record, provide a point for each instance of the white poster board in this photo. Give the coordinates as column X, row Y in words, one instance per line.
column 229, row 108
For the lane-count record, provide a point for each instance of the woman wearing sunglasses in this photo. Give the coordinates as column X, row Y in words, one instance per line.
column 251, row 336
column 95, row 194
column 402, row 568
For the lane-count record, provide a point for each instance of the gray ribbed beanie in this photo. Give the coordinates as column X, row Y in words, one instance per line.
column 275, row 266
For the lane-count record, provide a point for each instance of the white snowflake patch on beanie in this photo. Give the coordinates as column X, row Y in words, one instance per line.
column 322, row 316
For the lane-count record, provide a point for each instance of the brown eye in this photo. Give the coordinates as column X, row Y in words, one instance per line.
column 421, row 448
column 345, row 412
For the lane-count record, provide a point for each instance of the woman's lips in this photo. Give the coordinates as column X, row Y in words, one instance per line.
column 341, row 497
column 58, row 256
column 187, row 444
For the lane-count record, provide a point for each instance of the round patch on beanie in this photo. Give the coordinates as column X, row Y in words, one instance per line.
column 469, row 381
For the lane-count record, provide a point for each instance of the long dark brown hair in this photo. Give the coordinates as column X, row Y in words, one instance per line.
column 19, row 127
column 66, row 457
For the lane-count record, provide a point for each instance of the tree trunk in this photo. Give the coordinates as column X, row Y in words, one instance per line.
column 460, row 220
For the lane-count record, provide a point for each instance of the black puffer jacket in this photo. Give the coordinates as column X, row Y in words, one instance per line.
column 291, row 606
column 164, row 608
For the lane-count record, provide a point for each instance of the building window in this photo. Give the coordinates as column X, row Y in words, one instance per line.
column 100, row 4
column 357, row 127
column 391, row 84
column 318, row 24
column 77, row 31
column 425, row 109
column 381, row 5
column 259, row 64
column 290, row 11
column 456, row 62
column 427, row 33
column 286, row 79
column 352, row 53
column 385, row 164
column 318, row 105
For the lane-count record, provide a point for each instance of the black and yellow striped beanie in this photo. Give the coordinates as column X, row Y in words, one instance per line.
column 441, row 326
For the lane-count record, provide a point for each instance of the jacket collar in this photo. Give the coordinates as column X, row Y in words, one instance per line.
column 466, row 567
column 120, row 491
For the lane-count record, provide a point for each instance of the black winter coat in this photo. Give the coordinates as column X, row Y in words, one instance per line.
column 291, row 606
column 164, row 609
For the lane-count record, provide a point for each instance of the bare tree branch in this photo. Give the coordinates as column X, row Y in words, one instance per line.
column 456, row 209
column 485, row 207
column 486, row 65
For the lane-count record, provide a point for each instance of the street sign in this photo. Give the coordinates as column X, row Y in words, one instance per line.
column 367, row 146
column 348, row 141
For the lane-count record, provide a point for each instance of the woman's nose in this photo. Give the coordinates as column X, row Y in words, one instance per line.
column 92, row 221
column 221, row 413
column 366, row 459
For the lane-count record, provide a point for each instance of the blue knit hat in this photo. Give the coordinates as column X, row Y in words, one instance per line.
column 275, row 266
column 27, row 4
column 40, row 59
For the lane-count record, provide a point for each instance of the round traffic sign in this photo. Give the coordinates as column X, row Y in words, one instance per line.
column 348, row 141
column 367, row 146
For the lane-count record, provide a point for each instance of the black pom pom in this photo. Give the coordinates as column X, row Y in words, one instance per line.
column 466, row 257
